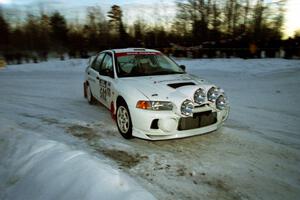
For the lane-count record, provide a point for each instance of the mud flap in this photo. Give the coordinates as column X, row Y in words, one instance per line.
column 112, row 111
column 84, row 90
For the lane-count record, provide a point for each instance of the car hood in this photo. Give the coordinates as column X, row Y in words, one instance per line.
column 167, row 87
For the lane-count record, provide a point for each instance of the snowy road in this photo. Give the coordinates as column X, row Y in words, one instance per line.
column 256, row 155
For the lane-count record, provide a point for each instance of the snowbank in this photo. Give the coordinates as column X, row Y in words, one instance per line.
column 249, row 66
column 33, row 167
column 52, row 65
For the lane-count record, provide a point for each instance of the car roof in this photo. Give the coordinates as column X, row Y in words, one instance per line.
column 125, row 50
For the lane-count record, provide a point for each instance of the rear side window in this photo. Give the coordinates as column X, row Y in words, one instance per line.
column 97, row 62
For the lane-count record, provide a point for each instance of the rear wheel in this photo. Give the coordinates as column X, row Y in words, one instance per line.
column 124, row 121
column 91, row 99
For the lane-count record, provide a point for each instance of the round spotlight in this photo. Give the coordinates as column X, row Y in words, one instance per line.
column 199, row 96
column 213, row 94
column 221, row 102
column 187, row 108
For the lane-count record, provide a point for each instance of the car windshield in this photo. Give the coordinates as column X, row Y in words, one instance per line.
column 145, row 64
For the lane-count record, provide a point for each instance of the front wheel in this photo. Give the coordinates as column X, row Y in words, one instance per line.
column 124, row 121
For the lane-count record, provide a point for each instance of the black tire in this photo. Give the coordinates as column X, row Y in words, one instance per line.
column 91, row 99
column 123, row 120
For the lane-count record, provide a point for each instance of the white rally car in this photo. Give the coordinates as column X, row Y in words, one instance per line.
column 151, row 97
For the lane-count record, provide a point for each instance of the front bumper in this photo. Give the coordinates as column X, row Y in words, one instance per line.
column 143, row 121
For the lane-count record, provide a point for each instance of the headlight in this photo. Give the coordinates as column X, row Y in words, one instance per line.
column 221, row 102
column 161, row 105
column 199, row 96
column 213, row 94
column 187, row 108
column 154, row 105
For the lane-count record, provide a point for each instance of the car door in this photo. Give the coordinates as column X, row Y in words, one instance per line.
column 106, row 79
column 93, row 75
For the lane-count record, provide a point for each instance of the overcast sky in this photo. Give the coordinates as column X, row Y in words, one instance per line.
column 75, row 9
column 80, row 2
column 133, row 9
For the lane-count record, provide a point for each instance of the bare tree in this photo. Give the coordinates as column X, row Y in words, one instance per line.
column 4, row 33
column 115, row 15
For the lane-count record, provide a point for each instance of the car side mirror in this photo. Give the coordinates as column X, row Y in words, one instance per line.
column 111, row 74
column 107, row 72
column 182, row 67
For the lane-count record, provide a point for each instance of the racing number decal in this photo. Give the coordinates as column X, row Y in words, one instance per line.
column 104, row 89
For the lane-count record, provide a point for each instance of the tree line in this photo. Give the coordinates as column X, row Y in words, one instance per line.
column 202, row 24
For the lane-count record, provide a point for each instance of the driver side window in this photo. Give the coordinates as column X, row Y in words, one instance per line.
column 106, row 68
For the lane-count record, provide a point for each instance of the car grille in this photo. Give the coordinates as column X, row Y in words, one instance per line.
column 199, row 120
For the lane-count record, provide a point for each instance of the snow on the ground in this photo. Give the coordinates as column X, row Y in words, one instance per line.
column 33, row 167
column 55, row 146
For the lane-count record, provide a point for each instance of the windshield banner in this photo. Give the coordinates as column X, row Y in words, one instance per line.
column 136, row 53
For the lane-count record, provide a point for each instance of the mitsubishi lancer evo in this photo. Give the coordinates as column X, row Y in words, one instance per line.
column 152, row 97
